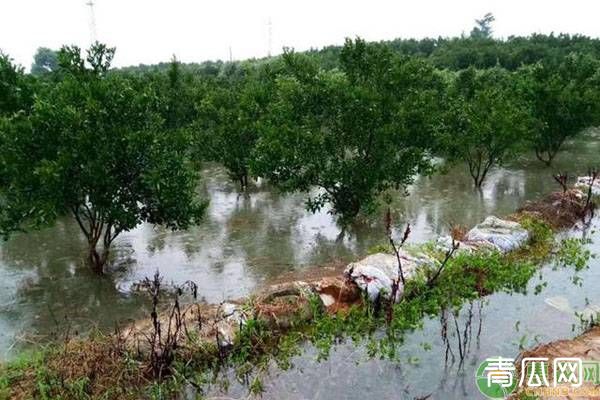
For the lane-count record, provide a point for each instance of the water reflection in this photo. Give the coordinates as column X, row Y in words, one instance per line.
column 457, row 336
column 243, row 242
column 47, row 289
column 439, row 361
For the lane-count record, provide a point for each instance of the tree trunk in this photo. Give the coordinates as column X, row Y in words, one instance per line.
column 550, row 154
column 97, row 258
column 477, row 182
column 243, row 182
column 479, row 172
column 95, row 229
column 482, row 176
column 474, row 170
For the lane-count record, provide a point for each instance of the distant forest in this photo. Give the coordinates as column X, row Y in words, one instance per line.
column 452, row 53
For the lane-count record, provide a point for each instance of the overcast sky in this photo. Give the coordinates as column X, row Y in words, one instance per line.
column 149, row 31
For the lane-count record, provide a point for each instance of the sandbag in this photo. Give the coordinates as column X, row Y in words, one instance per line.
column 504, row 235
column 376, row 273
column 583, row 183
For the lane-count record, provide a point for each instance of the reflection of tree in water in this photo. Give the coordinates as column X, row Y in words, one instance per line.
column 272, row 232
column 158, row 239
column 458, row 333
column 260, row 231
column 357, row 239
column 78, row 304
column 441, row 200
column 54, row 288
column 269, row 233
column 457, row 337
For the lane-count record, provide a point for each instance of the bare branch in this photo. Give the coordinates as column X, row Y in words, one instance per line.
column 562, row 178
column 449, row 254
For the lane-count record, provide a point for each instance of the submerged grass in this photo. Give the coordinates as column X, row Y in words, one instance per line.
column 101, row 367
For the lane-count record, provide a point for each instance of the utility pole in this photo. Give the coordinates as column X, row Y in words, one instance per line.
column 93, row 34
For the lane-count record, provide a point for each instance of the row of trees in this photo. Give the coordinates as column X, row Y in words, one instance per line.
column 378, row 119
column 114, row 148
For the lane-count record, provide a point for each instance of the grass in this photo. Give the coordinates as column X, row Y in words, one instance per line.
column 102, row 367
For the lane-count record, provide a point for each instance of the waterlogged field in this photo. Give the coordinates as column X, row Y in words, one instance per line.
column 140, row 257
column 429, row 362
column 247, row 241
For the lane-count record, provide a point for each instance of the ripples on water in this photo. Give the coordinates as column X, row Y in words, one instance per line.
column 243, row 242
column 495, row 326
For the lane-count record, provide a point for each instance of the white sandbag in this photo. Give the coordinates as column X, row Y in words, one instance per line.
column 376, row 273
column 583, row 183
column 504, row 235
column 444, row 243
column 562, row 304
column 231, row 317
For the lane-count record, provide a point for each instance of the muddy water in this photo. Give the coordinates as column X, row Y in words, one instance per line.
column 244, row 242
column 500, row 325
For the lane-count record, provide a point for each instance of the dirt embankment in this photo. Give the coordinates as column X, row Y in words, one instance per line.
column 585, row 347
column 560, row 210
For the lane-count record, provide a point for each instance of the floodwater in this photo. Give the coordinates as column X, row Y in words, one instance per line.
column 245, row 241
column 499, row 325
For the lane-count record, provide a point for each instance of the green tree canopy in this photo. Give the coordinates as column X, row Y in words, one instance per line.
column 182, row 91
column 353, row 133
column 486, row 122
column 16, row 90
column 230, row 119
column 483, row 27
column 96, row 149
column 44, row 60
column 565, row 99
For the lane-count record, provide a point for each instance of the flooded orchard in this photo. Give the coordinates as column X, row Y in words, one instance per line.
column 246, row 241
